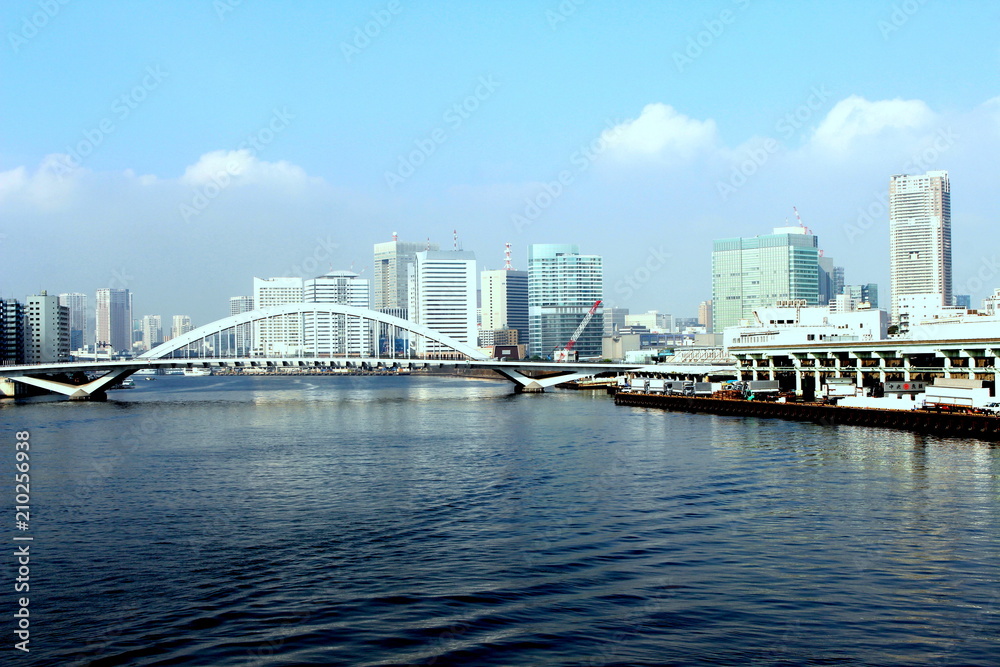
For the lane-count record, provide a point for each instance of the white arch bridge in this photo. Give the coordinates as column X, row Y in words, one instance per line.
column 321, row 335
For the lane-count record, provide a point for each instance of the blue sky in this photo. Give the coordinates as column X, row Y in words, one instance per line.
column 637, row 130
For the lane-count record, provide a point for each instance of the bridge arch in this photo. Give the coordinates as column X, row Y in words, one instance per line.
column 352, row 316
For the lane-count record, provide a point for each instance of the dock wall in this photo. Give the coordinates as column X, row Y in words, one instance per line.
column 983, row 427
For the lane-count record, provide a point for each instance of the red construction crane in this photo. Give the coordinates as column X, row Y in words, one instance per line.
column 568, row 353
column 799, row 218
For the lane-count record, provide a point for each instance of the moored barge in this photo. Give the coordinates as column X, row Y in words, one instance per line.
column 951, row 424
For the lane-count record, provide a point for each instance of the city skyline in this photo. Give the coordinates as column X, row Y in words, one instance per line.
column 693, row 128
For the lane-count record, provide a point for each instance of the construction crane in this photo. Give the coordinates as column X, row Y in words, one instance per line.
column 799, row 218
column 568, row 353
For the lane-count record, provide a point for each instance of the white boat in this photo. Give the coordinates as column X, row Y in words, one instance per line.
column 197, row 372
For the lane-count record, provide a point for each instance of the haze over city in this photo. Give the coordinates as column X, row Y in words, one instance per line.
column 161, row 149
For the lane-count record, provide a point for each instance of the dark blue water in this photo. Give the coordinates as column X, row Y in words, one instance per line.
column 378, row 521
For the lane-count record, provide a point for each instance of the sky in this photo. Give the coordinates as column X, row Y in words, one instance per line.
column 180, row 149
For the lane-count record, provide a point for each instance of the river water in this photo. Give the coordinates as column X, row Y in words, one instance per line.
column 447, row 521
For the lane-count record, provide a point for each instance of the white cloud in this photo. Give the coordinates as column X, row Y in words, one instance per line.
column 661, row 131
column 243, row 168
column 855, row 118
column 12, row 182
column 48, row 187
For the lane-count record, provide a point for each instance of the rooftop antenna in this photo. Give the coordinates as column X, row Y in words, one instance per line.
column 454, row 237
column 506, row 258
column 428, row 243
column 395, row 237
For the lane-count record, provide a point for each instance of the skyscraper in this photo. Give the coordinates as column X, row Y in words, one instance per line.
column 11, row 331
column 114, row 319
column 282, row 335
column 152, row 331
column 831, row 279
column 327, row 335
column 614, row 319
column 393, row 262
column 920, row 239
column 77, row 304
column 46, row 330
column 505, row 301
column 181, row 325
column 562, row 287
column 867, row 293
column 756, row 272
column 705, row 315
column 242, row 334
column 444, row 297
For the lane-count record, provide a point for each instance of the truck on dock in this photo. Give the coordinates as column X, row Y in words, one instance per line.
column 955, row 395
column 834, row 388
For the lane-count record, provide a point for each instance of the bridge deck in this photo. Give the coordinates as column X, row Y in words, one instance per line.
column 50, row 376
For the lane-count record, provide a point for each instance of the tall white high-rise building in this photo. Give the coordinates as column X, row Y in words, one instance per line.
column 326, row 335
column 444, row 297
column 277, row 336
column 240, row 304
column 505, row 301
column 393, row 263
column 114, row 319
column 242, row 334
column 46, row 330
column 181, row 325
column 919, row 240
column 77, row 304
column 152, row 331
column 562, row 286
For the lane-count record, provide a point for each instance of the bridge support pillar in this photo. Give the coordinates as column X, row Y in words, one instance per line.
column 93, row 390
column 530, row 385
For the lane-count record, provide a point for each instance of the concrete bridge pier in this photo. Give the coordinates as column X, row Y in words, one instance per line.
column 72, row 388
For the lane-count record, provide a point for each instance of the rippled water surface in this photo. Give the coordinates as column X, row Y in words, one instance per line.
column 377, row 521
